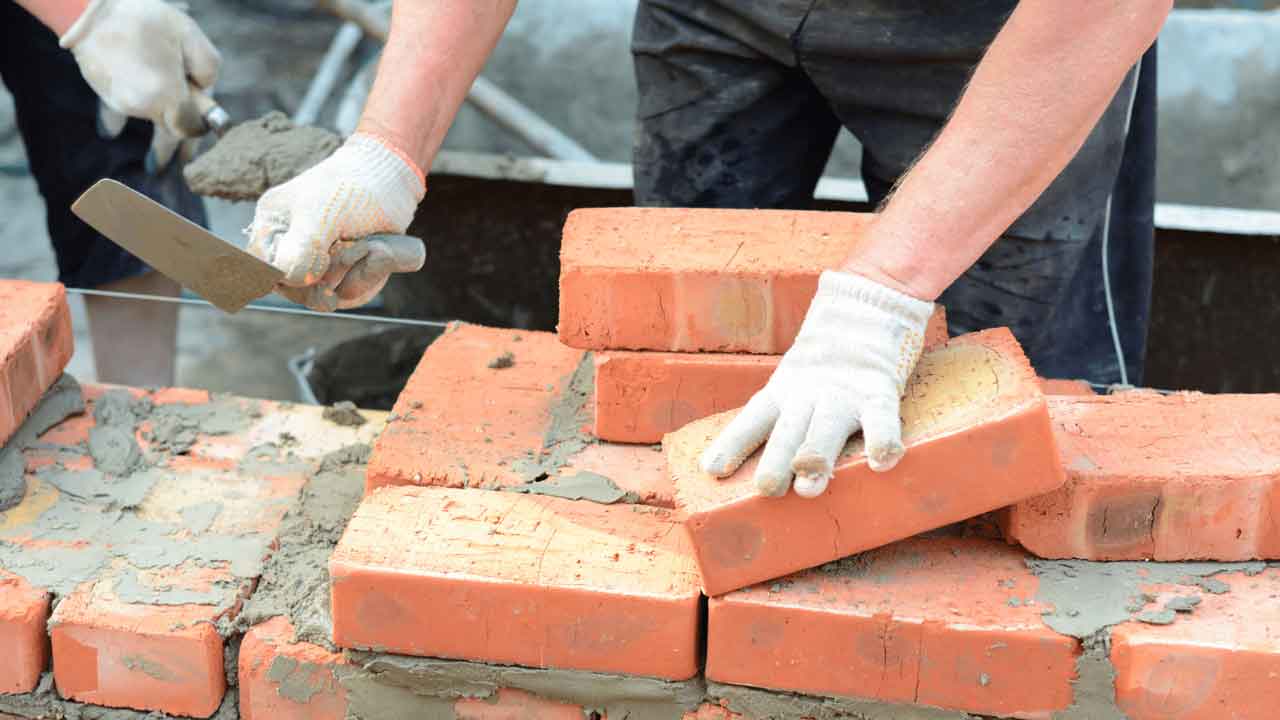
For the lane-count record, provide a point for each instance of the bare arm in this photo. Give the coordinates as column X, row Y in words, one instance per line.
column 57, row 15
column 435, row 51
column 1032, row 101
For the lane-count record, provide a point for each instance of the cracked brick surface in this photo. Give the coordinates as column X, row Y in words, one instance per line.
column 517, row 579
column 924, row 621
column 978, row 437
column 1161, row 477
column 695, row 280
column 35, row 346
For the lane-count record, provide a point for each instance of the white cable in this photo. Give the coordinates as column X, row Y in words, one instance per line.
column 1106, row 241
column 262, row 308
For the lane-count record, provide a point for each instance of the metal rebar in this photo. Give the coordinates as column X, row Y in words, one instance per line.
column 262, row 308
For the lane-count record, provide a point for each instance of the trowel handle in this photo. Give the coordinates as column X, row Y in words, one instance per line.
column 408, row 253
column 201, row 113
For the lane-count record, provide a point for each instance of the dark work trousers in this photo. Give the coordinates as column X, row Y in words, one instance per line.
column 58, row 118
column 741, row 101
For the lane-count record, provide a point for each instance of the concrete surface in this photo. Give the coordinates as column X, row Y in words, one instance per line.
column 1219, row 141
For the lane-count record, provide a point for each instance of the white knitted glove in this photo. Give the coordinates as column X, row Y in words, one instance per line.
column 144, row 59
column 846, row 370
column 364, row 188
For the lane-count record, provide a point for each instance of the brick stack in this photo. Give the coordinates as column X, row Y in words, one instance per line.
column 524, row 549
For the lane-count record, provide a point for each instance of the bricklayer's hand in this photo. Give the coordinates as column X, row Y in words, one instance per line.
column 846, row 370
column 144, row 59
column 306, row 227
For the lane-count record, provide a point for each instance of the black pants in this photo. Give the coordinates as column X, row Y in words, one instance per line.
column 58, row 118
column 741, row 101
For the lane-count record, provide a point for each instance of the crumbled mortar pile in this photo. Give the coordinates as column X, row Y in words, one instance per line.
column 295, row 579
column 257, row 155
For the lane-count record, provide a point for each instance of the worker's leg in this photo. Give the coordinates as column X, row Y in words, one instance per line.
column 57, row 115
column 894, row 75
column 724, row 121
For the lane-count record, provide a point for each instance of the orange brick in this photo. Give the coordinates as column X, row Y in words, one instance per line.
column 1221, row 661
column 285, row 680
column 35, row 345
column 641, row 396
column 1163, row 477
column 517, row 579
column 146, row 581
column 978, row 436
column 460, row 423
column 512, row 704
column 1052, row 386
column 924, row 621
column 704, row 280
column 24, row 610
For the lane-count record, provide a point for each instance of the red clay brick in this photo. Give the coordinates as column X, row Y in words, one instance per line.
column 641, row 396
column 517, row 579
column 684, row 280
column 924, row 621
column 24, row 610
column 35, row 345
column 460, row 423
column 1163, row 477
column 512, row 704
column 1052, row 386
column 285, row 680
column 978, row 436
column 1221, row 661
column 138, row 636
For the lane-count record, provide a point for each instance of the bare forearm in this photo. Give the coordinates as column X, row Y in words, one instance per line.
column 1042, row 86
column 57, row 15
column 435, row 51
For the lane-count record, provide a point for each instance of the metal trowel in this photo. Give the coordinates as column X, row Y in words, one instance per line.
column 195, row 258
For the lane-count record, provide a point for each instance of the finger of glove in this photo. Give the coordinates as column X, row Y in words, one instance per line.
column 163, row 146
column 199, row 56
column 744, row 433
column 882, row 431
column 302, row 252
column 815, row 462
column 110, row 122
column 773, row 474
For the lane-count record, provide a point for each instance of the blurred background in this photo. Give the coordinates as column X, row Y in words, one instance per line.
column 491, row 218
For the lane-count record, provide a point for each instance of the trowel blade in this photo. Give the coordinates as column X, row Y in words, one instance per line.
column 200, row 261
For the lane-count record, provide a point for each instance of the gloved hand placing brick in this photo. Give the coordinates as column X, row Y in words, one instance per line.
column 144, row 59
column 846, row 370
column 313, row 228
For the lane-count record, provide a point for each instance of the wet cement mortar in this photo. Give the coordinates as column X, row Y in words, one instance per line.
column 99, row 503
column 91, row 503
column 256, row 155
column 295, row 579
column 564, row 439
column 1089, row 598
column 60, row 402
column 393, row 687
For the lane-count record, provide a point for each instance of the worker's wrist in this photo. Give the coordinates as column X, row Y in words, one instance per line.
column 387, row 158
column 71, row 19
column 407, row 151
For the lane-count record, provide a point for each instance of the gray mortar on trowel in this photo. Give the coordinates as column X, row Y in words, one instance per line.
column 256, row 155
column 564, row 440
